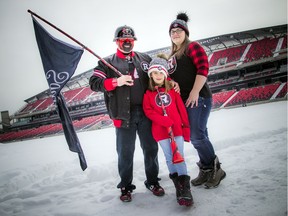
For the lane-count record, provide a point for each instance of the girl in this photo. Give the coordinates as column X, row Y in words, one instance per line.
column 161, row 93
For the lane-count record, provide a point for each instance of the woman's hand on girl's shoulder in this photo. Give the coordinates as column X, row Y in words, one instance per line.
column 175, row 86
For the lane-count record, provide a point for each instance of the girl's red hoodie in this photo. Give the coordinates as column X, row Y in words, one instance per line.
column 176, row 111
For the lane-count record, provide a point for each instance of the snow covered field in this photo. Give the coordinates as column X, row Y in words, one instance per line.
column 42, row 177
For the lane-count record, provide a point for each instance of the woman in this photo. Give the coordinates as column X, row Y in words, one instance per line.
column 189, row 68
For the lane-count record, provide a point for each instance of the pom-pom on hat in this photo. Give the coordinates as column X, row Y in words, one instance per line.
column 159, row 64
column 180, row 22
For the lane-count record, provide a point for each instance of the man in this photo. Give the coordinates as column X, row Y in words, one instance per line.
column 123, row 98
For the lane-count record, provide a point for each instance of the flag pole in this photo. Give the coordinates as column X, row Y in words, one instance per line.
column 76, row 41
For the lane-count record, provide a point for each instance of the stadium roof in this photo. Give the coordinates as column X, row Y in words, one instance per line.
column 239, row 38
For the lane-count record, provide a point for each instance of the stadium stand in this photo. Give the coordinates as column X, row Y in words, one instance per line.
column 245, row 68
column 37, row 105
column 283, row 91
column 261, row 49
column 221, row 97
column 226, row 56
column 255, row 94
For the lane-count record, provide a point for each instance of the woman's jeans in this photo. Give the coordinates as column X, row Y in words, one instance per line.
column 179, row 168
column 198, row 118
column 125, row 143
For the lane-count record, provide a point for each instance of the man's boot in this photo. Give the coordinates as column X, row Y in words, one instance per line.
column 217, row 175
column 126, row 193
column 203, row 175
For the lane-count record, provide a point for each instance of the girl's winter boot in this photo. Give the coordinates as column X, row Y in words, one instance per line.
column 183, row 190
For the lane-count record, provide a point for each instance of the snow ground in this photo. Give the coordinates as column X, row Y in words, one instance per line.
column 41, row 177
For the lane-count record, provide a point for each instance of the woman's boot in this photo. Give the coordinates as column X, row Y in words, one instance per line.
column 217, row 175
column 203, row 176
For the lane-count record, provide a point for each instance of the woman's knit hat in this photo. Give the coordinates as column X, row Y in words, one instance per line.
column 180, row 22
column 159, row 64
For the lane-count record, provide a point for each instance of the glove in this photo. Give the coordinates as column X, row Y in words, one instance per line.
column 117, row 123
column 186, row 134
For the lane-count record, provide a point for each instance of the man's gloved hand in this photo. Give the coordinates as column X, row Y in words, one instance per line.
column 124, row 80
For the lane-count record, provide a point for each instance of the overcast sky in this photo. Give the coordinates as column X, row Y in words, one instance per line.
column 93, row 23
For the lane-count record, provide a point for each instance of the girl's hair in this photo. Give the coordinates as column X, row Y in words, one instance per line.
column 167, row 85
column 183, row 49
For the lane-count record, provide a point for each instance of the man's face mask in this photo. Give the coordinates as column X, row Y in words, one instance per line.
column 126, row 44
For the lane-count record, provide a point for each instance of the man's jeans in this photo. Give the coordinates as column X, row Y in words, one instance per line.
column 198, row 118
column 125, row 143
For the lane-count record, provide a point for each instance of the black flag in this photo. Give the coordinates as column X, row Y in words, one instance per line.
column 60, row 61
